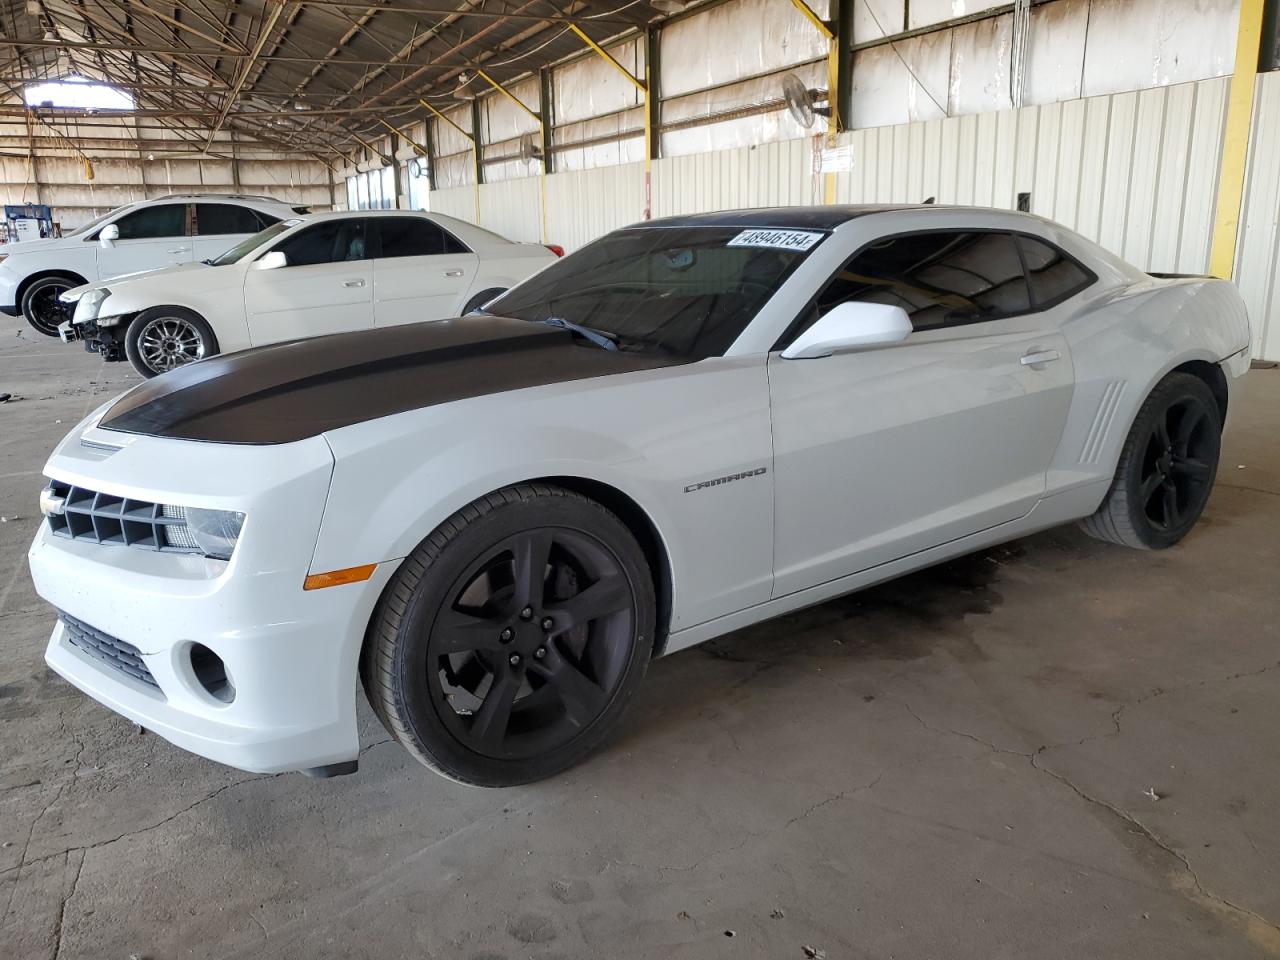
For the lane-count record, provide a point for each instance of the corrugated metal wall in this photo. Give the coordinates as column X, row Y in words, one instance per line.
column 1258, row 256
column 1137, row 172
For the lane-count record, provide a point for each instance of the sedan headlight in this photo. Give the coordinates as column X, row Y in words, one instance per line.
column 213, row 532
column 88, row 304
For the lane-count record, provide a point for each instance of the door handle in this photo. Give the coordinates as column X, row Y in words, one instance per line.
column 353, row 283
column 454, row 273
column 179, row 250
column 1037, row 357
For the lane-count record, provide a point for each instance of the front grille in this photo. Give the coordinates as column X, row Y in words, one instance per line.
column 123, row 656
column 99, row 517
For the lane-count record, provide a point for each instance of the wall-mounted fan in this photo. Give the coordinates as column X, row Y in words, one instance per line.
column 801, row 103
column 529, row 149
column 418, row 167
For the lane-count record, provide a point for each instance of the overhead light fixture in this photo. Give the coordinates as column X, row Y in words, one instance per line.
column 671, row 6
column 463, row 91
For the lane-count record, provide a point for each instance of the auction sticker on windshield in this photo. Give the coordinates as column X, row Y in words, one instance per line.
column 782, row 239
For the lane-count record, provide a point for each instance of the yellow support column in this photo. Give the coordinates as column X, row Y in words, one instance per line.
column 1235, row 148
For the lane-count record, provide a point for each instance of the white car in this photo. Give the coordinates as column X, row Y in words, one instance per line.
column 302, row 277
column 683, row 428
column 181, row 228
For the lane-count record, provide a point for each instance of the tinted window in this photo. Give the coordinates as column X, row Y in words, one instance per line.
column 165, row 220
column 410, row 237
column 675, row 291
column 1053, row 275
column 941, row 279
column 333, row 241
column 213, row 219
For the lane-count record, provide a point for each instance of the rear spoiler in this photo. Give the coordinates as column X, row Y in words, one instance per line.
column 1180, row 276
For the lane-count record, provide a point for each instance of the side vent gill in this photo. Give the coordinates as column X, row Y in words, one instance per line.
column 1096, row 439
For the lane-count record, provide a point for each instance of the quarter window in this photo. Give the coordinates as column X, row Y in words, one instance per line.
column 414, row 237
column 215, row 219
column 941, row 279
column 1052, row 275
column 334, row 241
column 150, row 223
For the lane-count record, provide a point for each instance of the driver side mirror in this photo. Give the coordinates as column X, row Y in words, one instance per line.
column 272, row 261
column 849, row 326
column 108, row 236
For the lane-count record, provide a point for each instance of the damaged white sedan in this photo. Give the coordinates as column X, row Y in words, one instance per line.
column 688, row 426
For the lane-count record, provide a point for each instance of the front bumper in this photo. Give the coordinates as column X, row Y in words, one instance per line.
column 9, row 309
column 290, row 654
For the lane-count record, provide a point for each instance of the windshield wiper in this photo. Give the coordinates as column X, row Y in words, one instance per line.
column 209, row 262
column 599, row 337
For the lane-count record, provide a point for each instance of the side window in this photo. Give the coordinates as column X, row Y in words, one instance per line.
column 149, row 223
column 214, row 219
column 409, row 237
column 941, row 279
column 333, row 241
column 1052, row 274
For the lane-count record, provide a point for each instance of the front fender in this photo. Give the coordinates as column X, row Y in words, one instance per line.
column 666, row 439
column 417, row 494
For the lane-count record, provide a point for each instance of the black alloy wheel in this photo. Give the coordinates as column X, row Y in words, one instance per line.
column 534, row 642
column 507, row 646
column 43, row 308
column 1178, row 463
column 1166, row 469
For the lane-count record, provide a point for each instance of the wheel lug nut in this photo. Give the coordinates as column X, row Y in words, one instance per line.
column 514, row 659
column 526, row 613
column 506, row 635
column 547, row 623
column 540, row 653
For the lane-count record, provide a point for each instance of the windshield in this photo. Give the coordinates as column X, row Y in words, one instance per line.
column 676, row 291
column 249, row 244
column 96, row 221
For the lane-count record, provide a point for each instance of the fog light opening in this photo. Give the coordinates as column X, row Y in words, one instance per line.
column 211, row 673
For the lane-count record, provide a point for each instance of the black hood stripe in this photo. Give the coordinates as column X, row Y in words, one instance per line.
column 295, row 390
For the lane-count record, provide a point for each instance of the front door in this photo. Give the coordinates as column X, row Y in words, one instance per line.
column 885, row 452
column 152, row 237
column 421, row 272
column 326, row 285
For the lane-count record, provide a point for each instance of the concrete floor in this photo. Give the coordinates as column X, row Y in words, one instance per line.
column 958, row 764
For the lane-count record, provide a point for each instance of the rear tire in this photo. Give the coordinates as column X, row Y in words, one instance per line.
column 507, row 646
column 164, row 338
column 41, row 306
column 481, row 298
column 1166, row 470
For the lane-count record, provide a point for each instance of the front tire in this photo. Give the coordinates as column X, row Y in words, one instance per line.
column 41, row 306
column 509, row 643
column 165, row 338
column 1166, row 470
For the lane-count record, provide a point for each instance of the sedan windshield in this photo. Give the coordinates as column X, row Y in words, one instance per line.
column 676, row 291
column 250, row 244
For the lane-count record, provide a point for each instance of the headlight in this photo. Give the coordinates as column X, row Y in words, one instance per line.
column 213, row 532
column 88, row 304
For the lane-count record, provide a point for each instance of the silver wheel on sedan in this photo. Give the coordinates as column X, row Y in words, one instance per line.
column 165, row 338
column 168, row 342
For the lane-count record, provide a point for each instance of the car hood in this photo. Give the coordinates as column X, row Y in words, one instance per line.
column 75, row 293
column 291, row 391
column 31, row 246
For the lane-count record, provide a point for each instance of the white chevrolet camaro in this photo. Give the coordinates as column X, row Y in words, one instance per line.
column 687, row 426
column 303, row 277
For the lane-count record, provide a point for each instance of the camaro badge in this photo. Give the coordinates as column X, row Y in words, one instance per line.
column 729, row 479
